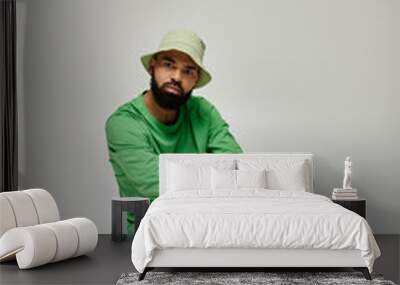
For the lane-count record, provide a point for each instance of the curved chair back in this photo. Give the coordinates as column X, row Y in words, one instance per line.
column 26, row 208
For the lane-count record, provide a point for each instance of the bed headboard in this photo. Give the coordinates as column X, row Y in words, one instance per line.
column 164, row 158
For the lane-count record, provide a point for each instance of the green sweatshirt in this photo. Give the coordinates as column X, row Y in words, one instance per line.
column 135, row 138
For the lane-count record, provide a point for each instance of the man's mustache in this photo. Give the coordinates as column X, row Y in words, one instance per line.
column 174, row 84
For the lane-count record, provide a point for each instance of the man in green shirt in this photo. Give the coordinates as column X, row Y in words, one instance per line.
column 166, row 118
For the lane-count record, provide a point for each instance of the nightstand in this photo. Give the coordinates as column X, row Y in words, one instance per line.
column 358, row 206
column 137, row 205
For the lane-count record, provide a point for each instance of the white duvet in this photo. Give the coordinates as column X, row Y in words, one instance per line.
column 251, row 218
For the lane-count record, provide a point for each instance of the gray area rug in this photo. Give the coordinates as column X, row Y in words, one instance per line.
column 229, row 278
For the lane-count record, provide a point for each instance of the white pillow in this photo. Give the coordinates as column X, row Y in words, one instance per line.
column 251, row 178
column 223, row 179
column 282, row 174
column 237, row 179
column 288, row 179
column 189, row 174
column 181, row 177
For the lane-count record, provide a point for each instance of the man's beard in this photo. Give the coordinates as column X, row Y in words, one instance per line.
column 166, row 99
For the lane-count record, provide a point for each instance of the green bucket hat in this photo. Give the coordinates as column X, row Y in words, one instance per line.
column 185, row 41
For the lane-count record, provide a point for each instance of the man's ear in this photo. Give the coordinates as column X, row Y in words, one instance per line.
column 152, row 64
column 198, row 75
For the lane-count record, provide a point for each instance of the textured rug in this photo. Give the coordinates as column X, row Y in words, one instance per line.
column 230, row 278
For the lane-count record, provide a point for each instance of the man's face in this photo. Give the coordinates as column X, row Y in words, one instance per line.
column 174, row 75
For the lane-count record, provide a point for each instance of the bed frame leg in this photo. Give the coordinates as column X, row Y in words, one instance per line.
column 364, row 271
column 143, row 274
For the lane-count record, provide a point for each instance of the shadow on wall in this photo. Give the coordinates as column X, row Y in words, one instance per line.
column 330, row 174
column 22, row 8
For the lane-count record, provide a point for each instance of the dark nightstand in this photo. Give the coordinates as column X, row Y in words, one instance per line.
column 137, row 205
column 358, row 206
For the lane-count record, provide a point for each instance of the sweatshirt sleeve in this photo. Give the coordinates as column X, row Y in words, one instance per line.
column 220, row 140
column 132, row 158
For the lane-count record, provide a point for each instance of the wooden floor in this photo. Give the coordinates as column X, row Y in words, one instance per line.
column 111, row 259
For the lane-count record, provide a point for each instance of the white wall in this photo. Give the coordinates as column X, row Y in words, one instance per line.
column 319, row 76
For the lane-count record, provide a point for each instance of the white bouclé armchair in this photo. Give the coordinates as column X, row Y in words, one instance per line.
column 31, row 231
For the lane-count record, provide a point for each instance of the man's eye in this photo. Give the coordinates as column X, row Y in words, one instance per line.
column 189, row 72
column 167, row 64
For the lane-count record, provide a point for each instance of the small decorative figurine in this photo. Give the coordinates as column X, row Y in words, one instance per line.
column 347, row 174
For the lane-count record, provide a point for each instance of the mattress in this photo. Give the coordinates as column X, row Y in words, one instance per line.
column 251, row 219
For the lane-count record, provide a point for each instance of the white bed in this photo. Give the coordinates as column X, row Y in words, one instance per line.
column 248, row 227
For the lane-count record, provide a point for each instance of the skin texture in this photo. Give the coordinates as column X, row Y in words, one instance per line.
column 174, row 72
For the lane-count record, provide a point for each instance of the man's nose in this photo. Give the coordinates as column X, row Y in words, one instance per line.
column 177, row 75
